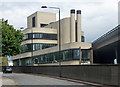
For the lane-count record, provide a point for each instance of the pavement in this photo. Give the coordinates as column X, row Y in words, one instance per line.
column 0, row 79
column 4, row 80
column 28, row 79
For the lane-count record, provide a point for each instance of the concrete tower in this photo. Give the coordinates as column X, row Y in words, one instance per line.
column 72, row 26
column 78, row 25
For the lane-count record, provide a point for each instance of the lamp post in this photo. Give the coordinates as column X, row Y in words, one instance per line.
column 59, row 37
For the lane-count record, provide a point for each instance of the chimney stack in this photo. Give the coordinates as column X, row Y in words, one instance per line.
column 78, row 25
column 72, row 25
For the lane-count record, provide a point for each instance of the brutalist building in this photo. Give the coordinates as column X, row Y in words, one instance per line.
column 41, row 41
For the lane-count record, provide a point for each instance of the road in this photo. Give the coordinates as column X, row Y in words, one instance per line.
column 28, row 79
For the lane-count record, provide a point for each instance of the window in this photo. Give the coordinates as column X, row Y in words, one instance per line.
column 33, row 35
column 43, row 25
column 35, row 46
column 76, row 54
column 40, row 36
column 82, row 39
column 26, row 36
column 36, row 61
column 85, row 55
column 33, row 22
column 71, row 54
column 76, row 30
column 30, row 36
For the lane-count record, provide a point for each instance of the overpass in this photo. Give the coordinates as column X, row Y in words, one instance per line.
column 106, row 48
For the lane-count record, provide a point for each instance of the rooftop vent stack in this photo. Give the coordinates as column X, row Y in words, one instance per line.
column 78, row 25
column 72, row 25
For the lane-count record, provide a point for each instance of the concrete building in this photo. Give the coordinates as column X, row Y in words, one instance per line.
column 41, row 41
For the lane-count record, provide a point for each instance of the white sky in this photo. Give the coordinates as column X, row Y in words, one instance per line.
column 98, row 16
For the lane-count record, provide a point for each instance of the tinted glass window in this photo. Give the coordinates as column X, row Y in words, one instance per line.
column 40, row 36
column 43, row 25
column 71, row 54
column 82, row 38
column 35, row 46
column 33, row 22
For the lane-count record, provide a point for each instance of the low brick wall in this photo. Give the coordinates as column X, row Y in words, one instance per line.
column 104, row 74
column 119, row 76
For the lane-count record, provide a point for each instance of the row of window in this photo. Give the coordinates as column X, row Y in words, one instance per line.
column 40, row 36
column 66, row 55
column 35, row 46
column 44, row 36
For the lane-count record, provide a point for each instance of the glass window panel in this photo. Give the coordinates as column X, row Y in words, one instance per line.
column 41, row 36
column 82, row 38
column 33, row 22
column 64, row 55
column 33, row 35
column 33, row 46
column 76, row 54
column 39, row 46
column 85, row 55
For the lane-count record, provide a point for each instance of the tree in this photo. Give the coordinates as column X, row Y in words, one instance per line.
column 0, row 38
column 4, row 61
column 11, row 39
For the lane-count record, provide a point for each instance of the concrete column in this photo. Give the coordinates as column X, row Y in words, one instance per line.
column 80, row 55
column 78, row 25
column 19, row 62
column 72, row 26
column 91, row 56
column 118, row 54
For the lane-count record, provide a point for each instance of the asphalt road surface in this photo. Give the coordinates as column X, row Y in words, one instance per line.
column 28, row 79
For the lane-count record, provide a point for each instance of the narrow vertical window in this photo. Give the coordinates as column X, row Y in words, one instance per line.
column 33, row 46
column 33, row 22
column 76, row 39
column 82, row 39
column 33, row 35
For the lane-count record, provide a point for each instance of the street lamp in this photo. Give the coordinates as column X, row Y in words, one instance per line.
column 59, row 37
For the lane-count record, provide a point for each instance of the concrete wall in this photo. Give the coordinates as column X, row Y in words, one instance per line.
column 29, row 20
column 70, row 62
column 104, row 74
column 22, row 55
column 39, row 41
column 65, row 29
column 40, row 30
column 41, row 18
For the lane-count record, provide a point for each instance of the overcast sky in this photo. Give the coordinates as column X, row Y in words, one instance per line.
column 98, row 16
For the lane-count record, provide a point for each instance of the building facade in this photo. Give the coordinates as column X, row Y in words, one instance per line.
column 41, row 41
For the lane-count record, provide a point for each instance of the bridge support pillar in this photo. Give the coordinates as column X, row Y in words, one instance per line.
column 91, row 56
column 118, row 46
column 117, row 52
column 118, row 56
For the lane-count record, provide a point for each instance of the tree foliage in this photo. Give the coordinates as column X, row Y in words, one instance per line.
column 4, row 61
column 11, row 39
column 0, row 38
